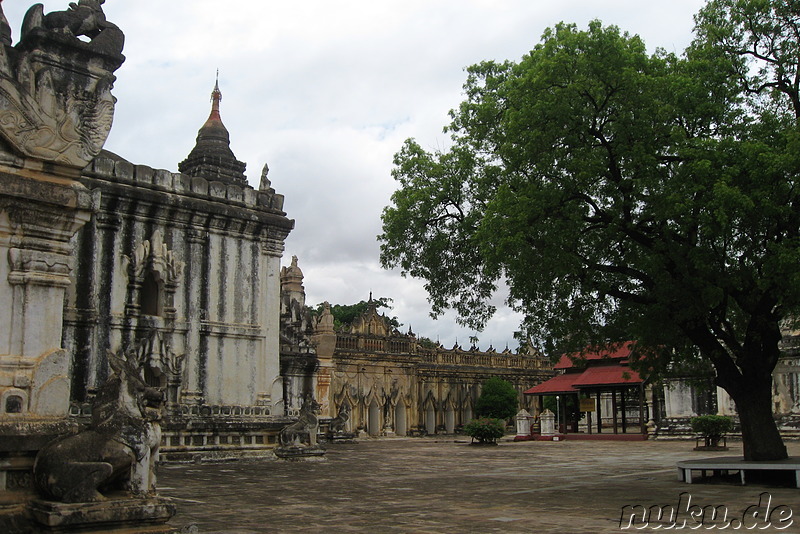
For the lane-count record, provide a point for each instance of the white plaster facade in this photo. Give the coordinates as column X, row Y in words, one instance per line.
column 192, row 262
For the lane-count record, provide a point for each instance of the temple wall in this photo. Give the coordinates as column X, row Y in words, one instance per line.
column 193, row 262
column 683, row 401
column 786, row 385
column 393, row 386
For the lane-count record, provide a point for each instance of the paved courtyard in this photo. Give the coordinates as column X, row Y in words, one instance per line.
column 430, row 486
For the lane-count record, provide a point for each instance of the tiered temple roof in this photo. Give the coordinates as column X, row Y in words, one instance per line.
column 212, row 157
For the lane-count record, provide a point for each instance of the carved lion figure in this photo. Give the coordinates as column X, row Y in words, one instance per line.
column 117, row 452
column 339, row 423
column 303, row 432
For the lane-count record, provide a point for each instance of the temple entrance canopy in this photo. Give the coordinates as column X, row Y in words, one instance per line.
column 600, row 384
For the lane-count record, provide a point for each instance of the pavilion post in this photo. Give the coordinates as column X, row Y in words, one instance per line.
column 614, row 408
column 599, row 413
column 624, row 420
column 642, row 422
column 589, row 418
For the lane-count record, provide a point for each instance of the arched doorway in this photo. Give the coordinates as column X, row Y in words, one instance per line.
column 450, row 420
column 374, row 419
column 400, row 427
column 430, row 419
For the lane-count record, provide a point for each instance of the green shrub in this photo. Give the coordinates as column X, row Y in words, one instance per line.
column 712, row 427
column 485, row 429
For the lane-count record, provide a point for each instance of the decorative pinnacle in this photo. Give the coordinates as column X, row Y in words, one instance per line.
column 216, row 98
column 216, row 94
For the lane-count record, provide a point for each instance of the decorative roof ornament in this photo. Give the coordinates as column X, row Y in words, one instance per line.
column 292, row 277
column 55, row 94
column 212, row 157
column 265, row 184
column 216, row 98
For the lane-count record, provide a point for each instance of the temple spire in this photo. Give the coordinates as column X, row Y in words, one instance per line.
column 212, row 158
column 216, row 98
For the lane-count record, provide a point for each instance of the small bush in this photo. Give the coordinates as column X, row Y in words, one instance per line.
column 712, row 427
column 485, row 429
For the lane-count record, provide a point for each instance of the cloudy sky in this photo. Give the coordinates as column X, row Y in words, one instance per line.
column 325, row 92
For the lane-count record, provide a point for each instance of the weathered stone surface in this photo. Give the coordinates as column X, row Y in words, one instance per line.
column 131, row 515
column 337, row 428
column 39, row 214
column 300, row 453
column 298, row 440
column 165, row 257
column 339, row 423
column 31, row 435
column 55, row 89
column 118, row 451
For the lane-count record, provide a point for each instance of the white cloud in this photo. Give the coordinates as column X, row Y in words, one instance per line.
column 326, row 92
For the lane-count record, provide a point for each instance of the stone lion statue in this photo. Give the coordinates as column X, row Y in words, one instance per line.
column 120, row 448
column 303, row 432
column 339, row 423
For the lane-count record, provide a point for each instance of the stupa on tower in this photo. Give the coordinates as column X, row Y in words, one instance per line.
column 212, row 157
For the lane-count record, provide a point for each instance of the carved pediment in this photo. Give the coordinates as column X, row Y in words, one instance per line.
column 154, row 255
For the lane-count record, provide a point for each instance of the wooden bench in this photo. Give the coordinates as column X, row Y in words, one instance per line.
column 723, row 464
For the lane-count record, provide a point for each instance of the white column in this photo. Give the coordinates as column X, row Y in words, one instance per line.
column 38, row 217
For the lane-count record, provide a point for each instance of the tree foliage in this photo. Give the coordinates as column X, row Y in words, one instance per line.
column 623, row 195
column 345, row 314
column 498, row 400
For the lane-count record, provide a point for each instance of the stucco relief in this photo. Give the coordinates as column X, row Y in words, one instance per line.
column 152, row 260
column 55, row 98
column 40, row 267
column 154, row 254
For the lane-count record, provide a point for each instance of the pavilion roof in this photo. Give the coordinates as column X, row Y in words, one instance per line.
column 559, row 384
column 615, row 351
column 607, row 367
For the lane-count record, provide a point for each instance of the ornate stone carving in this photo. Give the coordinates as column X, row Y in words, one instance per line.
column 55, row 95
column 337, row 429
column 155, row 254
column 35, row 266
column 153, row 257
column 119, row 450
column 168, row 366
column 272, row 241
column 299, row 439
column 265, row 185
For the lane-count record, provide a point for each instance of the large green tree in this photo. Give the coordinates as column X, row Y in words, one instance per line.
column 345, row 314
column 622, row 194
column 498, row 399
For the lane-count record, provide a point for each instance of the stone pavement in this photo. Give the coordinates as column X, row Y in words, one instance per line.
column 430, row 486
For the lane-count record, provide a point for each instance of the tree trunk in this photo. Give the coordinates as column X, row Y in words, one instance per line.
column 761, row 439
